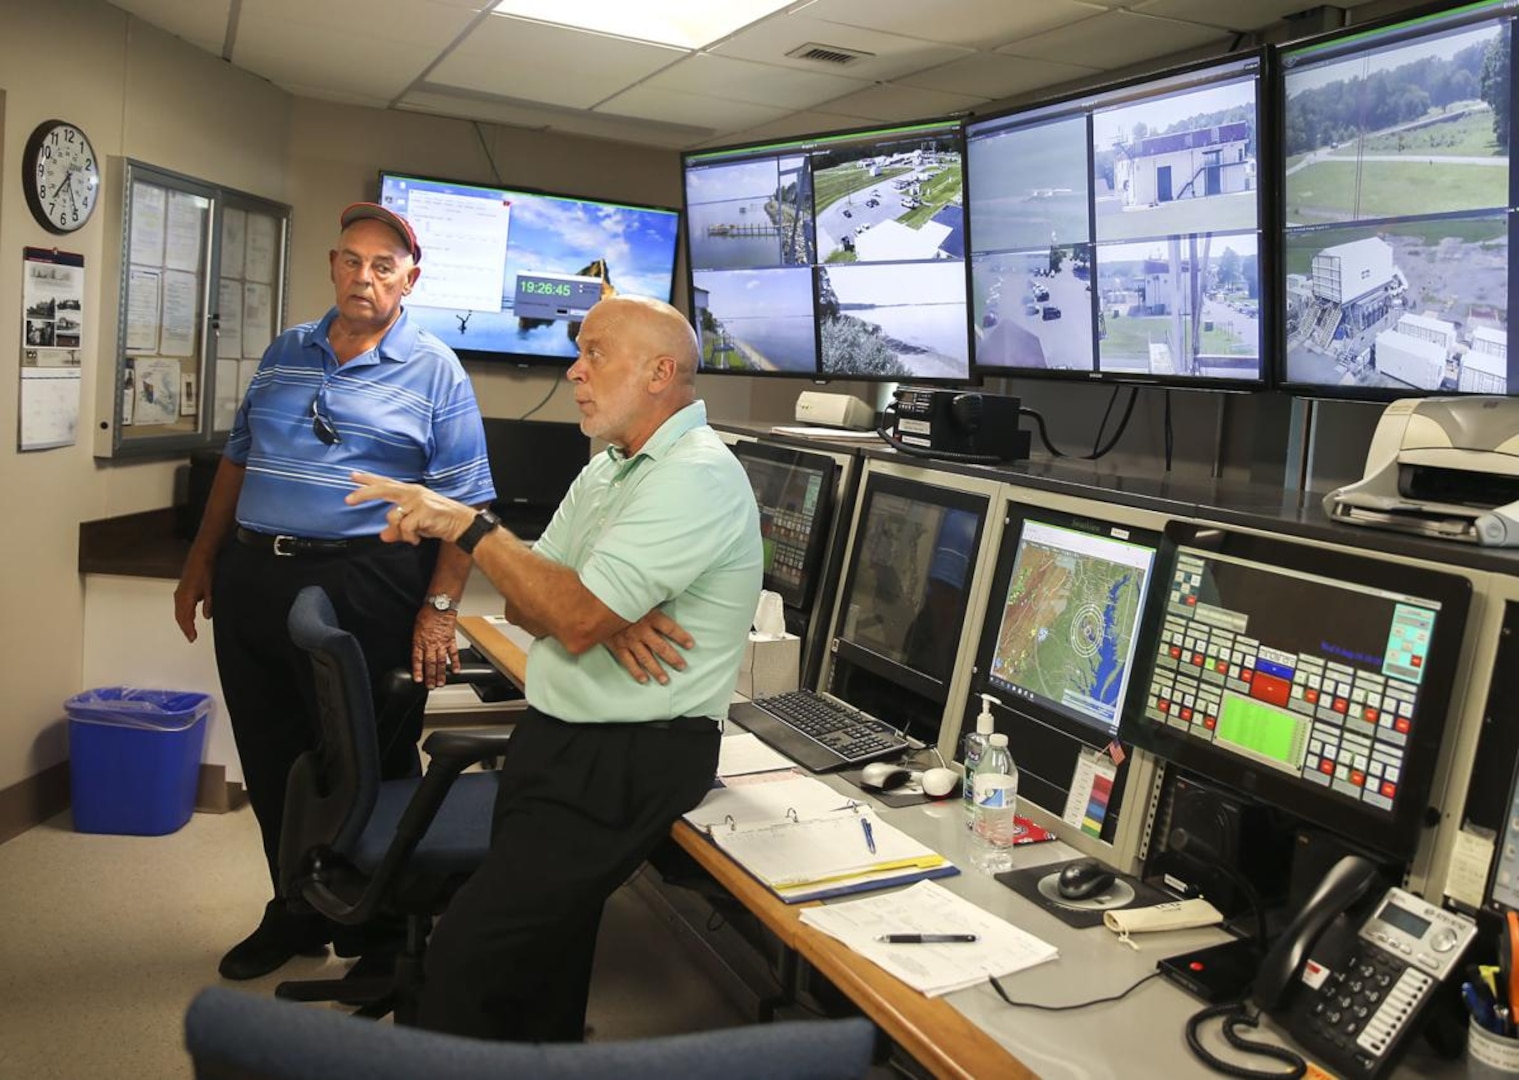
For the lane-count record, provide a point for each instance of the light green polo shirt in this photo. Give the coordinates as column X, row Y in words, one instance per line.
column 674, row 527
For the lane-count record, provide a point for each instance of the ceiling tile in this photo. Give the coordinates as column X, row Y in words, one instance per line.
column 801, row 123
column 896, row 103
column 990, row 75
column 978, row 25
column 759, row 84
column 892, row 54
column 203, row 23
column 348, row 63
column 516, row 114
column 535, row 62
column 697, row 110
column 1236, row 15
column 341, row 97
column 1115, row 40
column 426, row 23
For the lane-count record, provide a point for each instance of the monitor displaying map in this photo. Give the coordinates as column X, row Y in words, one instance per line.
column 1069, row 610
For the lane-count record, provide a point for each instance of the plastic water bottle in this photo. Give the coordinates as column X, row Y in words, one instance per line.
column 995, row 785
column 975, row 746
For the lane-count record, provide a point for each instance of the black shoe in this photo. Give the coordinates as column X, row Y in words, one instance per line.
column 372, row 975
column 281, row 935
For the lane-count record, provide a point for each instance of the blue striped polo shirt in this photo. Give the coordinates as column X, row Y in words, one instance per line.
column 405, row 409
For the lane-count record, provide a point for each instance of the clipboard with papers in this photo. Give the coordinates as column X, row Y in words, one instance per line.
column 846, row 850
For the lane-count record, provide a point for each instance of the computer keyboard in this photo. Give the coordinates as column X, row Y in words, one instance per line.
column 819, row 732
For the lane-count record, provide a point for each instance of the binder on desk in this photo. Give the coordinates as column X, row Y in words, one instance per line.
column 847, row 851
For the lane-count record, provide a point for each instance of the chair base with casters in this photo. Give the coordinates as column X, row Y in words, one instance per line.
column 237, row 1036
column 356, row 848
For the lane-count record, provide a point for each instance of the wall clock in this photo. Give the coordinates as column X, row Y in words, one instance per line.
column 61, row 176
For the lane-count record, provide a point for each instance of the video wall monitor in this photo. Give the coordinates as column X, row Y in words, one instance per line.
column 1398, row 207
column 1117, row 234
column 533, row 463
column 1314, row 681
column 508, row 273
column 1057, row 647
column 794, row 490
column 831, row 256
column 903, row 606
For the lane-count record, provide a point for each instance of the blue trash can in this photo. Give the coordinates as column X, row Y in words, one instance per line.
column 134, row 758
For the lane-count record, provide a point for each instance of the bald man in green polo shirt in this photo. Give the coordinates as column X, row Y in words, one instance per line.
column 657, row 540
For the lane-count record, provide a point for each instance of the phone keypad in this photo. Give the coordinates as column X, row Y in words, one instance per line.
column 1362, row 1011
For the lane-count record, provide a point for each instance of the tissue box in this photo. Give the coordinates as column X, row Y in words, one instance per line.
column 770, row 665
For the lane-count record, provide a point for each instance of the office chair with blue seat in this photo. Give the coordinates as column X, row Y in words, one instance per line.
column 355, row 847
column 236, row 1036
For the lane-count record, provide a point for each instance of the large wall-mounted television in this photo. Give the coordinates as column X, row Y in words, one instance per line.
column 508, row 273
column 1398, row 206
column 1117, row 234
column 831, row 256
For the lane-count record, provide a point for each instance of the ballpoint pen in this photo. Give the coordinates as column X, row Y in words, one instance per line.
column 1481, row 1007
column 870, row 836
column 926, row 939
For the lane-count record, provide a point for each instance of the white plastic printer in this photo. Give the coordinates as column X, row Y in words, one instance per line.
column 1441, row 467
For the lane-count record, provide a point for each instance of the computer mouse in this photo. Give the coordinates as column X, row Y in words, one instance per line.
column 939, row 782
column 883, row 776
column 1084, row 879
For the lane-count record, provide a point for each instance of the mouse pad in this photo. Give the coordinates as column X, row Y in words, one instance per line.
column 1039, row 884
column 909, row 794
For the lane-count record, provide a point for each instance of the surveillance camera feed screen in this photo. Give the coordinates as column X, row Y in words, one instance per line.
column 1066, row 635
column 510, row 274
column 1398, row 205
column 833, row 256
column 1118, row 234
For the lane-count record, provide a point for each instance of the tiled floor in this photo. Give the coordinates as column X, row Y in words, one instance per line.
column 105, row 939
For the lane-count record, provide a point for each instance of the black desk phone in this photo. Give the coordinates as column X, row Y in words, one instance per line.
column 1353, row 972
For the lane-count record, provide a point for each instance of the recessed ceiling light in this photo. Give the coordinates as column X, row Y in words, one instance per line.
column 682, row 23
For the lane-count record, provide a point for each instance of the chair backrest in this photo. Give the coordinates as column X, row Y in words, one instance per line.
column 332, row 789
column 231, row 1034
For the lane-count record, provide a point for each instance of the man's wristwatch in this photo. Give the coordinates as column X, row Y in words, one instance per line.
column 441, row 602
column 484, row 524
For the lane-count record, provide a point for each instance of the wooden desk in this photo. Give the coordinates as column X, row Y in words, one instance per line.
column 935, row 1033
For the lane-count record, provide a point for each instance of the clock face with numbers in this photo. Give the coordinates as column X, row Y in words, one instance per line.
column 61, row 176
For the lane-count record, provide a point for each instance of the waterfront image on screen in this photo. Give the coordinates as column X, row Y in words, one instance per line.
column 788, row 498
column 831, row 255
column 512, row 273
column 907, row 598
column 1066, row 634
column 1101, row 224
column 1315, row 679
column 1397, row 207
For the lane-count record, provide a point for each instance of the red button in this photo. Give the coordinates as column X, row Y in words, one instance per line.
column 1401, row 724
column 1357, row 778
column 1210, row 722
column 1341, row 705
column 1246, row 675
column 1417, row 661
column 1175, row 652
column 1326, row 767
column 1191, row 601
column 1186, row 713
column 1197, row 659
column 1163, row 705
column 1311, row 696
column 1197, row 965
column 1221, row 667
column 1371, row 716
column 1388, row 790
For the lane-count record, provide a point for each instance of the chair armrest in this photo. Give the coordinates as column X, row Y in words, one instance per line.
column 463, row 748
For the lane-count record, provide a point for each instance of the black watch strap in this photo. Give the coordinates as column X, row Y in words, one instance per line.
column 484, row 524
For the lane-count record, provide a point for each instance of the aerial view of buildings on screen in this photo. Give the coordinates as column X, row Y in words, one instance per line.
column 1397, row 195
column 875, row 203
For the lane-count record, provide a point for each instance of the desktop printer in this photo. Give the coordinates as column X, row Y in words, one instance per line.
column 1440, row 467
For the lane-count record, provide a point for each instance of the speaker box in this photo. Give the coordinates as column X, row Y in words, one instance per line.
column 1213, row 837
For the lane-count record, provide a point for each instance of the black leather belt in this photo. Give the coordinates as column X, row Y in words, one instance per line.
column 302, row 545
column 684, row 723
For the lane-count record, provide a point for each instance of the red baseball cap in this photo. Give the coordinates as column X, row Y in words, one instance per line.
column 374, row 211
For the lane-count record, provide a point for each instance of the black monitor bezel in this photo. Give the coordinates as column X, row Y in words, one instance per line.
column 532, row 360
column 1265, row 227
column 868, row 659
column 1048, row 714
column 822, row 521
column 501, row 505
column 1396, row 834
column 804, row 144
column 1280, row 375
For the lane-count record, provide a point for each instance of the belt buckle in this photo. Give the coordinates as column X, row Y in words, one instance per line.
column 281, row 541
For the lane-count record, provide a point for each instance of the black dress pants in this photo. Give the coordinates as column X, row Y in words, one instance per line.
column 376, row 590
column 580, row 807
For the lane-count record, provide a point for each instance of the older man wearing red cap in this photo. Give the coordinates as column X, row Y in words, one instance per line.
column 359, row 389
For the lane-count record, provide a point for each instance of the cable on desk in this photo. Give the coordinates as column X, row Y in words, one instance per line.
column 1001, row 993
column 1234, row 1015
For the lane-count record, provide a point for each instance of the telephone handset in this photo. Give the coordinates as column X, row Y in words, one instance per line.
column 1351, row 975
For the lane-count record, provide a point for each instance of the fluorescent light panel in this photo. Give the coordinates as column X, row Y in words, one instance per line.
column 682, row 23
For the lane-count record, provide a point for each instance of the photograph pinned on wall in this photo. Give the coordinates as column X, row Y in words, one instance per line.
column 158, row 390
column 53, row 300
column 189, row 399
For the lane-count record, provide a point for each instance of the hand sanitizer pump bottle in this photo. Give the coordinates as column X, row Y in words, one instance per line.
column 975, row 746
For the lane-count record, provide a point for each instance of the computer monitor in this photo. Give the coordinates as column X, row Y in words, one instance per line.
column 508, row 273
column 1398, row 206
column 1116, row 233
column 1057, row 646
column 1313, row 680
column 533, row 463
column 831, row 256
column 903, row 606
column 794, row 491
